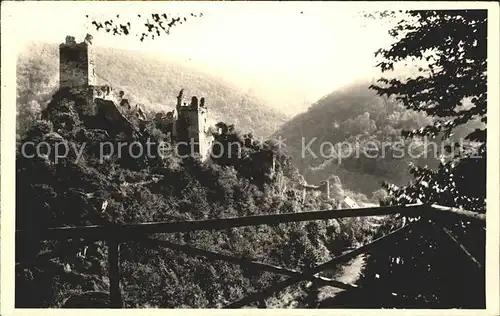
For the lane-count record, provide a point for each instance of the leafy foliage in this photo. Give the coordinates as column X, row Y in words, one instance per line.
column 155, row 25
column 453, row 43
column 456, row 68
column 74, row 192
column 92, row 190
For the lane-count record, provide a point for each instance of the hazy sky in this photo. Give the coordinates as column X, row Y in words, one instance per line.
column 285, row 52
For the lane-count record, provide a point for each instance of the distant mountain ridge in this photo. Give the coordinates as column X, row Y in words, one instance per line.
column 153, row 82
column 353, row 116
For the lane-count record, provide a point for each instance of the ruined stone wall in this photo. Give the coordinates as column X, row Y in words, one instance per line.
column 183, row 122
column 116, row 120
column 77, row 63
column 77, row 71
column 205, row 139
column 192, row 126
column 73, row 65
column 91, row 60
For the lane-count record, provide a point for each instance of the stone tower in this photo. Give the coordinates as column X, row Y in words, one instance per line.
column 76, row 63
column 191, row 129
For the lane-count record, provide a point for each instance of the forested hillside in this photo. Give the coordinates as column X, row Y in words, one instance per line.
column 146, row 79
column 443, row 106
column 126, row 189
column 73, row 192
column 355, row 116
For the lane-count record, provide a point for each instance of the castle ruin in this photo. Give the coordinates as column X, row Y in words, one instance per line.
column 76, row 63
column 188, row 127
column 191, row 128
column 187, row 123
column 77, row 72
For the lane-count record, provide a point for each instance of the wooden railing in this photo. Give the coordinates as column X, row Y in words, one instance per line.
column 115, row 234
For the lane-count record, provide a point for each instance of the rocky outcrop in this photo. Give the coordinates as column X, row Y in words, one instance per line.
column 111, row 114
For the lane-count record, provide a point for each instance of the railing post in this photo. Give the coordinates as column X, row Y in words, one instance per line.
column 261, row 303
column 114, row 274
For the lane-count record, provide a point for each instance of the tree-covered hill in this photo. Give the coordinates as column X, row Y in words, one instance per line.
column 92, row 190
column 146, row 78
column 356, row 116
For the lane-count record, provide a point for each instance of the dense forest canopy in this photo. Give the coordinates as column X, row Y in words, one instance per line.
column 145, row 189
column 126, row 189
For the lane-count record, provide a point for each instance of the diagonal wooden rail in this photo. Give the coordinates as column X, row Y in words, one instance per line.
column 115, row 234
column 307, row 274
column 243, row 262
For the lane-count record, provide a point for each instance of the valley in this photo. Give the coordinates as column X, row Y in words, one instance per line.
column 235, row 211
